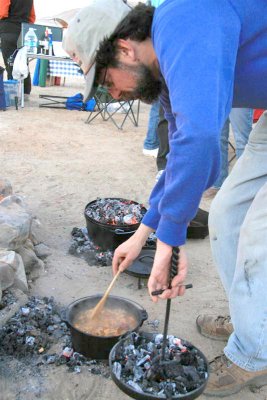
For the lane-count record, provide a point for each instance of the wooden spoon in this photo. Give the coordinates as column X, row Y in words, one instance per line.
column 99, row 307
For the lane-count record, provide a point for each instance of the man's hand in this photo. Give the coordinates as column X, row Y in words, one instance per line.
column 159, row 277
column 128, row 251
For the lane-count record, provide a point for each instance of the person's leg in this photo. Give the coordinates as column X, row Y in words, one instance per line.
column 8, row 46
column 238, row 231
column 27, row 84
column 229, row 208
column 224, row 155
column 162, row 132
column 212, row 191
column 241, row 120
column 247, row 346
column 151, row 141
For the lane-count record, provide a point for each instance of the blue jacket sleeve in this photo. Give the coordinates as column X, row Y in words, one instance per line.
column 196, row 50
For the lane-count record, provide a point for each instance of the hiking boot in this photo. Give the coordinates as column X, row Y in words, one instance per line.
column 151, row 153
column 214, row 327
column 227, row 378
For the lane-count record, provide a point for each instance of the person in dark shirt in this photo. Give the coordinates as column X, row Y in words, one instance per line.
column 12, row 14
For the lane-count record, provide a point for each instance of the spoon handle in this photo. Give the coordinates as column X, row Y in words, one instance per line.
column 98, row 308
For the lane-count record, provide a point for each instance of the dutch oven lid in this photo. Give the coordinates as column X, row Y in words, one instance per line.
column 142, row 265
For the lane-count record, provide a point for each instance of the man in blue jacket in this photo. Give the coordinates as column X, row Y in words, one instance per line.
column 202, row 57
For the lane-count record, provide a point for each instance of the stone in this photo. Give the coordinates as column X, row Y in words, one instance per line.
column 12, row 272
column 20, row 281
column 33, row 265
column 7, row 275
column 36, row 232
column 15, row 223
column 29, row 245
column 42, row 251
column 5, row 188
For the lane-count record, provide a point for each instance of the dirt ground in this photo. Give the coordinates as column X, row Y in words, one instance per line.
column 58, row 164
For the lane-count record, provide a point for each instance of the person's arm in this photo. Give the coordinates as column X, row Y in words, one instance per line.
column 196, row 44
column 32, row 16
column 129, row 250
column 197, row 60
column 4, row 8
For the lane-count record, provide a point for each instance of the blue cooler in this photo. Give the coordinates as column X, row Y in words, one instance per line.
column 2, row 92
column 11, row 88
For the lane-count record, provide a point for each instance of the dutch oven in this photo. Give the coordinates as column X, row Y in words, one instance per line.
column 198, row 227
column 108, row 236
column 98, row 347
column 115, row 354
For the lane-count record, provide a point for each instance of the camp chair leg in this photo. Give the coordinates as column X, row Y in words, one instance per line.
column 104, row 100
column 233, row 148
column 53, row 101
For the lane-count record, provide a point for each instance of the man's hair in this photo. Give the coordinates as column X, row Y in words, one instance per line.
column 135, row 26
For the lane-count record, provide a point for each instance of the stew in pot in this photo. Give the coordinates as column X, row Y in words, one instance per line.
column 110, row 322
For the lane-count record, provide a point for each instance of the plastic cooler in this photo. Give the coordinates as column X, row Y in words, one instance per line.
column 12, row 92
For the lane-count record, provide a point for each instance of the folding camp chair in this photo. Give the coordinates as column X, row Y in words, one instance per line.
column 117, row 111
column 71, row 103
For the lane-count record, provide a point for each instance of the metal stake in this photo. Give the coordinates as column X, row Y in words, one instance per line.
column 173, row 271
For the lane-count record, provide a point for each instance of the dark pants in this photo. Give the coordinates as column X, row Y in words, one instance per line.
column 162, row 132
column 8, row 46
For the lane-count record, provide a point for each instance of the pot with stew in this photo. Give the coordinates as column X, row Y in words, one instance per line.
column 95, row 337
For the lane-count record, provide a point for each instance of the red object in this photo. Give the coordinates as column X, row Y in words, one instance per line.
column 257, row 113
column 57, row 80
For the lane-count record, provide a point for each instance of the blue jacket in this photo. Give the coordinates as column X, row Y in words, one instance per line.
column 212, row 56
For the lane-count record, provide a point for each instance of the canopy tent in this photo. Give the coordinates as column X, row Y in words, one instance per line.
column 51, row 10
column 60, row 20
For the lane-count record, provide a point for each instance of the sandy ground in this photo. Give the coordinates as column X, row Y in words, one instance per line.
column 58, row 164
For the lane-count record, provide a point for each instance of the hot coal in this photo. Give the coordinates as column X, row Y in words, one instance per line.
column 82, row 246
column 138, row 363
column 37, row 328
column 116, row 211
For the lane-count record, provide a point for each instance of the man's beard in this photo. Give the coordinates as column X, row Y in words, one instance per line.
column 148, row 87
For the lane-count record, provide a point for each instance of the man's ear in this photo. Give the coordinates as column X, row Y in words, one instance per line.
column 126, row 51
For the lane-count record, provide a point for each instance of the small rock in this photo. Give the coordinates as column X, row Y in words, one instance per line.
column 5, row 188
column 42, row 251
column 25, row 311
column 95, row 371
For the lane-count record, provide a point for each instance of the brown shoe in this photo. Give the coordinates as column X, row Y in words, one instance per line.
column 214, row 327
column 227, row 378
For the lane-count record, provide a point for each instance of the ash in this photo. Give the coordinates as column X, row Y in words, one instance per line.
column 33, row 334
column 116, row 211
column 8, row 298
column 82, row 246
column 137, row 363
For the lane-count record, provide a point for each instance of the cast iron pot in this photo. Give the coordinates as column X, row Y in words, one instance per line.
column 130, row 391
column 108, row 236
column 98, row 347
column 198, row 227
